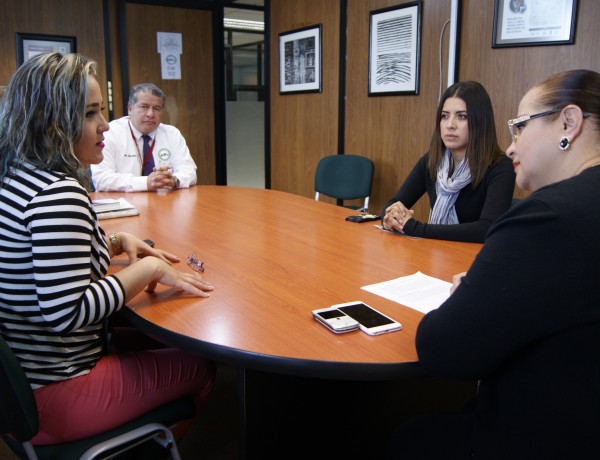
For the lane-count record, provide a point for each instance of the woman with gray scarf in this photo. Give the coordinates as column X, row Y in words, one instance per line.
column 468, row 179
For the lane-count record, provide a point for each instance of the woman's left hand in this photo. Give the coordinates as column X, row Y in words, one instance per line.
column 137, row 249
column 456, row 280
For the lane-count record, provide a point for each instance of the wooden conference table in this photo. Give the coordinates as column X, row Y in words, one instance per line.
column 273, row 257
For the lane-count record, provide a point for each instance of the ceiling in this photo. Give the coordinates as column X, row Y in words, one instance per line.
column 251, row 2
column 240, row 13
column 231, row 12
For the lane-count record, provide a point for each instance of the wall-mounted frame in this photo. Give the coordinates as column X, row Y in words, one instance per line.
column 300, row 60
column 28, row 45
column 534, row 23
column 394, row 50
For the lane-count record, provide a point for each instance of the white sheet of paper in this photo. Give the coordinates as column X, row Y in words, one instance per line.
column 418, row 291
column 109, row 204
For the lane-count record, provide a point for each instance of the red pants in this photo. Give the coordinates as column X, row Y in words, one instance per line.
column 118, row 389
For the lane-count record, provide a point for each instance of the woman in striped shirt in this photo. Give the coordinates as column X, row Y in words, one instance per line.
column 55, row 294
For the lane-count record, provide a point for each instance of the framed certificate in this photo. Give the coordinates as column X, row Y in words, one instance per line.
column 534, row 22
column 28, row 45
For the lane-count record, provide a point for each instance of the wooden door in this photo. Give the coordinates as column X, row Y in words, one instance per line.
column 190, row 100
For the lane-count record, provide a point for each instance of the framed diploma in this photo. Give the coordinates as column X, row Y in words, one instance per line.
column 534, row 22
column 28, row 45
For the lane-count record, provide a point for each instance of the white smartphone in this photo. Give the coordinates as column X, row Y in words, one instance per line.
column 370, row 320
column 335, row 320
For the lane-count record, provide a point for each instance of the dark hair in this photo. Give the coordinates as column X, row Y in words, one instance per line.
column 482, row 148
column 42, row 112
column 146, row 88
column 579, row 87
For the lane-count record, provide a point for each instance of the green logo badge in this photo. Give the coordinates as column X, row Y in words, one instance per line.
column 164, row 155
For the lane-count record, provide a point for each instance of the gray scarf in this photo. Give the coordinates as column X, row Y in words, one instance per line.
column 447, row 189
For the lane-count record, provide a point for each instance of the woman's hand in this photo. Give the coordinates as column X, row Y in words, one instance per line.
column 149, row 267
column 136, row 249
column 396, row 217
column 190, row 282
column 456, row 280
column 148, row 272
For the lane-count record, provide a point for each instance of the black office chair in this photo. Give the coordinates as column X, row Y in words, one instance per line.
column 345, row 177
column 19, row 422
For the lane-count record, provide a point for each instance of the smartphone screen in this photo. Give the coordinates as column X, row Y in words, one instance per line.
column 335, row 320
column 328, row 314
column 365, row 315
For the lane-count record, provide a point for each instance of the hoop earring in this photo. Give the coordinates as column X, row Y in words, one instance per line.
column 564, row 143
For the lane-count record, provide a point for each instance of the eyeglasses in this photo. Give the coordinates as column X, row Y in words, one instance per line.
column 194, row 263
column 517, row 124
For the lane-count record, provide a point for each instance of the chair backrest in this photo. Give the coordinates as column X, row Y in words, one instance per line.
column 18, row 410
column 344, row 177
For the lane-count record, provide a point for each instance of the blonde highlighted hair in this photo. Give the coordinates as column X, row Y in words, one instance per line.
column 42, row 112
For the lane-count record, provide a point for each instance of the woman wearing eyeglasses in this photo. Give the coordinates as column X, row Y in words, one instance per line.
column 525, row 319
column 55, row 293
column 467, row 178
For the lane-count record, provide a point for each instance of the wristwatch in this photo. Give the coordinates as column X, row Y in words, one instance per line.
column 176, row 181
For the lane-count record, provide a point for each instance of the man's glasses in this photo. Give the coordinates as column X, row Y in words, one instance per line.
column 194, row 263
column 517, row 124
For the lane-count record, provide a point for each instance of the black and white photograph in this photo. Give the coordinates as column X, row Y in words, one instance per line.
column 534, row 23
column 300, row 60
column 394, row 50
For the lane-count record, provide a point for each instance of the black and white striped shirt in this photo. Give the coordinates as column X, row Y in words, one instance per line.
column 54, row 295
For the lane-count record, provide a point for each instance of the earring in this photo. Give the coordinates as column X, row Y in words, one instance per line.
column 564, row 143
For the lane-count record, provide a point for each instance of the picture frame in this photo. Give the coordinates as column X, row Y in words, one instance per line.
column 394, row 50
column 528, row 23
column 28, row 45
column 300, row 60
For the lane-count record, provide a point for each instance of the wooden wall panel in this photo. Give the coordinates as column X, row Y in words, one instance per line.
column 189, row 100
column 80, row 19
column 508, row 73
column 304, row 127
column 115, row 59
column 394, row 131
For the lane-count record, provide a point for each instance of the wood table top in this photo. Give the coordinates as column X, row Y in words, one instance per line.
column 273, row 257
